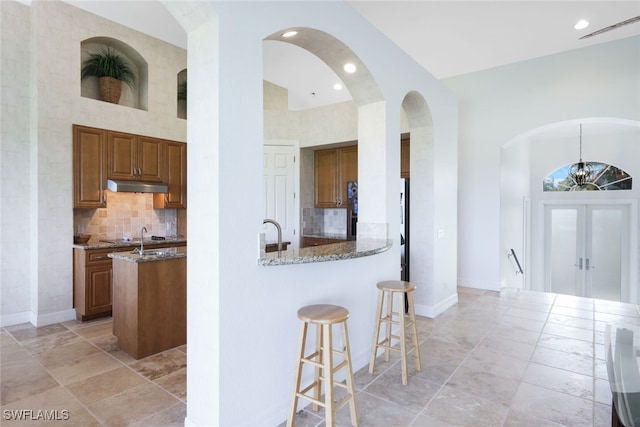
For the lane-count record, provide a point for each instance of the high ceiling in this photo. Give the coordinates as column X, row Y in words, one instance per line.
column 447, row 37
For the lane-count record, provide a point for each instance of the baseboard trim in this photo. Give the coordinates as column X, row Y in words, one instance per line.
column 50, row 318
column 15, row 318
column 435, row 310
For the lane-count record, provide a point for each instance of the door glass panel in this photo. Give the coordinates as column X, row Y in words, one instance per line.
column 605, row 265
column 563, row 251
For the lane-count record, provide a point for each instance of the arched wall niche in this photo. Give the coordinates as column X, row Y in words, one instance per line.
column 181, row 94
column 134, row 98
column 421, row 233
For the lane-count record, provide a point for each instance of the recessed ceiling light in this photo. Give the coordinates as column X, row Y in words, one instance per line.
column 337, row 86
column 349, row 68
column 289, row 33
column 581, row 24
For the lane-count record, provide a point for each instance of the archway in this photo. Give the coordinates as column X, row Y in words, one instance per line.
column 527, row 160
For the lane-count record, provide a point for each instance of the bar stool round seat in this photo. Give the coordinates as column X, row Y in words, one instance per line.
column 402, row 319
column 324, row 317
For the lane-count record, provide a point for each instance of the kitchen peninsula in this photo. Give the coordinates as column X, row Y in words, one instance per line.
column 150, row 300
column 332, row 252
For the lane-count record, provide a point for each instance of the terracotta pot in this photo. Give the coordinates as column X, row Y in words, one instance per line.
column 110, row 89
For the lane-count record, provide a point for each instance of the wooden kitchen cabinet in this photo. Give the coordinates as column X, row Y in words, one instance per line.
column 333, row 168
column 405, row 158
column 318, row 241
column 174, row 175
column 93, row 279
column 134, row 157
column 89, row 167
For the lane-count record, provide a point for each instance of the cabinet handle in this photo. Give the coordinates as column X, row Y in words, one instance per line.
column 139, row 172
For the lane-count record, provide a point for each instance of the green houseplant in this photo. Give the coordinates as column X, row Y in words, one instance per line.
column 111, row 69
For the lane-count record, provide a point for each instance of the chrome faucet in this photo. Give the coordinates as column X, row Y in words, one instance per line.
column 142, row 231
column 274, row 222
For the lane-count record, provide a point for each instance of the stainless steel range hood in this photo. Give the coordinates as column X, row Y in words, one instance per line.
column 122, row 186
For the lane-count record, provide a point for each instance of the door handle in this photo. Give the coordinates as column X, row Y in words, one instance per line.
column 587, row 267
column 579, row 264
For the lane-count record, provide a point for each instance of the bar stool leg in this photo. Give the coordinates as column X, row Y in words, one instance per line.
column 389, row 325
column 412, row 314
column 374, row 349
column 403, row 341
column 349, row 376
column 316, row 377
column 327, row 373
column 291, row 421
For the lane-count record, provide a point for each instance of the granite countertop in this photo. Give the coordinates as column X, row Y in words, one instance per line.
column 105, row 244
column 166, row 253
column 332, row 252
column 326, row 236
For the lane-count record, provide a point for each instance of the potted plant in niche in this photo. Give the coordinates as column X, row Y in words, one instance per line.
column 111, row 68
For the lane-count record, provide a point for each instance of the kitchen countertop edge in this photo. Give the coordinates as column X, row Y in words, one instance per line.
column 333, row 252
column 98, row 244
column 131, row 257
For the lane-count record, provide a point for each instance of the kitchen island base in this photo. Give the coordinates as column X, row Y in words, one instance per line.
column 149, row 305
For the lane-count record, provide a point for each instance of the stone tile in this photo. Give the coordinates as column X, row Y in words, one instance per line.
column 463, row 409
column 515, row 333
column 568, row 345
column 106, row 384
column 574, row 302
column 11, row 351
column 22, row 379
column 601, row 415
column 528, row 314
column 514, row 349
column 61, row 409
column 375, row 412
column 160, row 364
column 568, row 382
column 576, row 322
column 603, row 391
column 551, row 405
column 522, row 323
column 109, row 344
column 573, row 312
column 43, row 343
column 175, row 383
column 487, row 360
column 478, row 381
column 427, row 421
column 170, row 417
column 85, row 367
column 65, row 354
column 434, row 370
column 437, row 348
column 568, row 332
column 306, row 418
column 579, row 363
column 617, row 319
column 520, row 419
column 132, row 406
column 619, row 308
column 26, row 331
column 95, row 330
column 413, row 396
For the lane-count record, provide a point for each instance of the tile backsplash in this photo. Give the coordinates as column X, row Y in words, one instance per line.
column 316, row 222
column 124, row 216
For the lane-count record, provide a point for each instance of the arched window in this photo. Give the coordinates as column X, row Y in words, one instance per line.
column 603, row 177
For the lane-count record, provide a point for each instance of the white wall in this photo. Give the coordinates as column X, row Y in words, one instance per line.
column 499, row 104
column 39, row 137
column 242, row 326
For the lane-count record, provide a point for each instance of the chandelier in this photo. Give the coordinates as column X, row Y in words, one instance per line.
column 581, row 171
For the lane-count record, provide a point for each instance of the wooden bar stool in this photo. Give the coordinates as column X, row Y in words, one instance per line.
column 396, row 318
column 324, row 316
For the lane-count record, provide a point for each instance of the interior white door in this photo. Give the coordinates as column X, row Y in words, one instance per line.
column 587, row 251
column 280, row 192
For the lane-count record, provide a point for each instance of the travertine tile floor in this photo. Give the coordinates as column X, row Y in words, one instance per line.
column 511, row 358
column 77, row 367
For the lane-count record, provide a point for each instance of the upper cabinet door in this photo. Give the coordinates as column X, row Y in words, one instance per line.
column 133, row 157
column 348, row 163
column 122, row 156
column 175, row 176
column 325, row 176
column 89, row 167
column 149, row 159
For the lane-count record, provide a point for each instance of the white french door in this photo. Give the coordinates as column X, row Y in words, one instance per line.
column 587, row 250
